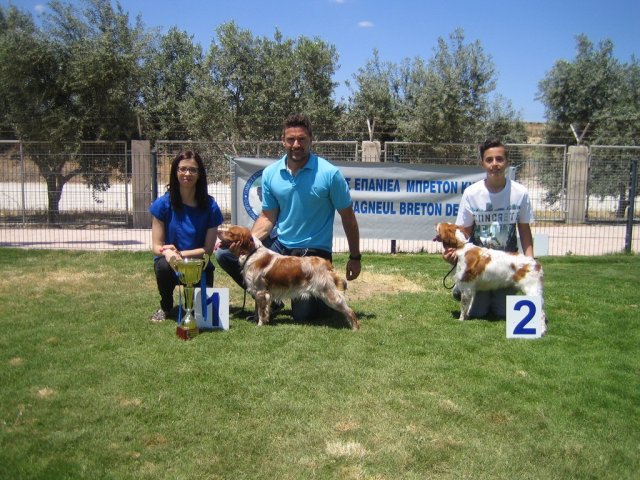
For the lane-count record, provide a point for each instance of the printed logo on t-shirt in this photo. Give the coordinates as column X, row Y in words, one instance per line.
column 496, row 228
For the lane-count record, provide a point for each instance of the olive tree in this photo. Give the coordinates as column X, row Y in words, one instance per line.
column 445, row 99
column 171, row 77
column 374, row 102
column 74, row 78
column 599, row 96
column 453, row 100
column 261, row 80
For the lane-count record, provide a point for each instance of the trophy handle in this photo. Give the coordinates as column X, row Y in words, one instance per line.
column 205, row 260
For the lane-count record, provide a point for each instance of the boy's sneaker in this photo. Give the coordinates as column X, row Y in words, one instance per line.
column 159, row 316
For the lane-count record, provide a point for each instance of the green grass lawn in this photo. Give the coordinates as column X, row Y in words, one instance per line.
column 91, row 389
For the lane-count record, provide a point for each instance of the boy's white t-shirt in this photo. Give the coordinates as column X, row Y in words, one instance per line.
column 495, row 215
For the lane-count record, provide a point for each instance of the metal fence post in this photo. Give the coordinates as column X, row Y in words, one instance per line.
column 633, row 184
column 154, row 173
column 22, row 182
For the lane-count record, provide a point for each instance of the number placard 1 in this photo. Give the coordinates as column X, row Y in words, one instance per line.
column 524, row 316
column 217, row 309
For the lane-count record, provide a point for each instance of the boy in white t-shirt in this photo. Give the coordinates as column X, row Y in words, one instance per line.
column 490, row 211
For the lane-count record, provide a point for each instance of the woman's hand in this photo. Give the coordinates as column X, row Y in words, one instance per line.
column 170, row 251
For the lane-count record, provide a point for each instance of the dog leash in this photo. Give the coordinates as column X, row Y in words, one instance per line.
column 455, row 264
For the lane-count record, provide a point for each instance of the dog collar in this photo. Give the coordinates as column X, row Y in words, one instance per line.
column 248, row 257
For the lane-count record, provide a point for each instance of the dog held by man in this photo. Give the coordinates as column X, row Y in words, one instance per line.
column 270, row 276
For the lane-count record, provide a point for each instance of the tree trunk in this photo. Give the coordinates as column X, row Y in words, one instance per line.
column 55, row 182
column 623, row 203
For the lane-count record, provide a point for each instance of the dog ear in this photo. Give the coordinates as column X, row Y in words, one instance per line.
column 246, row 239
column 241, row 236
column 450, row 232
column 236, row 234
column 449, row 235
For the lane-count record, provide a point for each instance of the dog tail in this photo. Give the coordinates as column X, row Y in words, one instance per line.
column 340, row 282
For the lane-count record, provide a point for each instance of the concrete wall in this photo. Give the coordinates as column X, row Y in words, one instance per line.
column 577, row 183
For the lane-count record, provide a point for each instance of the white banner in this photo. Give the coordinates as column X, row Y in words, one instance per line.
column 391, row 201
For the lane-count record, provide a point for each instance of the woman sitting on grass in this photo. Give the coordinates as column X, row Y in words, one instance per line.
column 184, row 224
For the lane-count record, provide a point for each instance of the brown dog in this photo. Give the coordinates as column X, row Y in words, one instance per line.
column 270, row 276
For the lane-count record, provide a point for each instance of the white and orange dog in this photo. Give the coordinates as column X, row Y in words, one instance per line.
column 270, row 276
column 480, row 268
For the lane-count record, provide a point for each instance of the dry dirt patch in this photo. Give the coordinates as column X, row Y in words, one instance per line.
column 369, row 284
column 345, row 449
column 45, row 392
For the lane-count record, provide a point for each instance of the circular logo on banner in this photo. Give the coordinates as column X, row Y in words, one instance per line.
column 252, row 195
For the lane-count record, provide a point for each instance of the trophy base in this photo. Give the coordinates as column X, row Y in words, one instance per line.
column 186, row 333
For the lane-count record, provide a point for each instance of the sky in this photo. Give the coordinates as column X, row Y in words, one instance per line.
column 524, row 38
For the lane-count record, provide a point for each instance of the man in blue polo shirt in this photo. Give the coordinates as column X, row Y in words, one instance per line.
column 300, row 194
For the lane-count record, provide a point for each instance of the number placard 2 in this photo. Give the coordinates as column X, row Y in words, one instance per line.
column 524, row 316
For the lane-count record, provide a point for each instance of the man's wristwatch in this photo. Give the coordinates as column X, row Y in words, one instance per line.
column 357, row 258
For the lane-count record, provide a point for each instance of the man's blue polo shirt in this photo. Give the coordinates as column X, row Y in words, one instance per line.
column 307, row 202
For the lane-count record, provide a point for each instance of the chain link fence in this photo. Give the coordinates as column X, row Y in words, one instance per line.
column 76, row 187
column 609, row 182
column 86, row 197
column 534, row 166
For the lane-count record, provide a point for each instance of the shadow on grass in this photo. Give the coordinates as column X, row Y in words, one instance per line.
column 487, row 318
column 330, row 318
